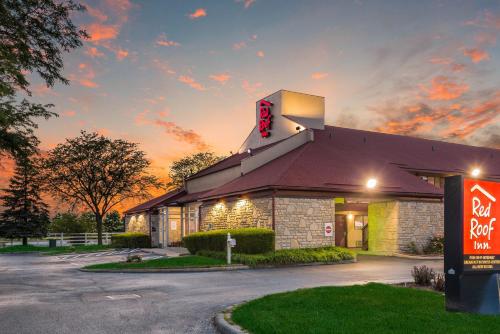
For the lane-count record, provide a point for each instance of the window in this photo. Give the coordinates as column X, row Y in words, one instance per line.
column 436, row 181
column 360, row 222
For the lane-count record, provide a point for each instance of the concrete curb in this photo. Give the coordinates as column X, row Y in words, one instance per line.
column 168, row 270
column 225, row 327
column 419, row 257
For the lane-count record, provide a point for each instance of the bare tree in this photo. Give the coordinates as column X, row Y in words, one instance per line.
column 98, row 172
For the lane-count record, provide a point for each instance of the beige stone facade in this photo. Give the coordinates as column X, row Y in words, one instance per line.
column 393, row 225
column 137, row 223
column 239, row 213
column 300, row 222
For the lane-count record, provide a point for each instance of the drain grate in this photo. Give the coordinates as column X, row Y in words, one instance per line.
column 122, row 297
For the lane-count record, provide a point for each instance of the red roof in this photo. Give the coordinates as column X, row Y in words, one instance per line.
column 148, row 205
column 341, row 160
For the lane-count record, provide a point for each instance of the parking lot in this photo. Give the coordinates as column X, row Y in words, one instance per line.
column 42, row 294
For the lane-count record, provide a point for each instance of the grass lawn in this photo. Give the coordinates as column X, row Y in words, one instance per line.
column 53, row 251
column 288, row 256
column 372, row 308
column 172, row 262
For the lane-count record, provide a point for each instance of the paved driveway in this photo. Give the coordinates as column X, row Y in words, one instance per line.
column 49, row 295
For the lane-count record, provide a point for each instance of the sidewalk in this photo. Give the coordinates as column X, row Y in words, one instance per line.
column 169, row 251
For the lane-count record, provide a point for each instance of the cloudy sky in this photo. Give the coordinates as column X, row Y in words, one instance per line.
column 183, row 76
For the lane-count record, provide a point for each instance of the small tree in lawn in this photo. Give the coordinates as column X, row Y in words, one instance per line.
column 113, row 222
column 25, row 213
column 98, row 173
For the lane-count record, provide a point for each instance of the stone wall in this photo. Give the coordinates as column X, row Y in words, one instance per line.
column 299, row 222
column 137, row 223
column 393, row 225
column 255, row 212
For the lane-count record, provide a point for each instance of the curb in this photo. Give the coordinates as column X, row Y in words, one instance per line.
column 223, row 326
column 419, row 257
column 168, row 270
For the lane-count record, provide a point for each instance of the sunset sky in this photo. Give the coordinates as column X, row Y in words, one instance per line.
column 183, row 76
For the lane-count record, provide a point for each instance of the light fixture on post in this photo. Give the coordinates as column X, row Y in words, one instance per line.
column 371, row 183
column 475, row 172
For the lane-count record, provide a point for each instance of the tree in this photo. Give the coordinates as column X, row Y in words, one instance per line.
column 34, row 34
column 98, row 173
column 190, row 165
column 113, row 222
column 25, row 213
column 69, row 222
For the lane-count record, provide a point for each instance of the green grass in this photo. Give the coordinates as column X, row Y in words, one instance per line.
column 53, row 251
column 288, row 256
column 191, row 261
column 372, row 308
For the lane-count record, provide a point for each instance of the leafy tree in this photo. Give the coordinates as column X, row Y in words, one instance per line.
column 25, row 213
column 190, row 165
column 98, row 173
column 113, row 222
column 34, row 34
column 69, row 222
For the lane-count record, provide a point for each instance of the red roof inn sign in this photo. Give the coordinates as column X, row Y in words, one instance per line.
column 472, row 245
column 265, row 118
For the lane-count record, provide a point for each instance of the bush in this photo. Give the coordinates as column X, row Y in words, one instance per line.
column 438, row 282
column 434, row 246
column 286, row 256
column 423, row 275
column 131, row 240
column 412, row 248
column 248, row 241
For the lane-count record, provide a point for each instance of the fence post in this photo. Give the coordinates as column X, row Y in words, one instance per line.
column 62, row 239
column 85, row 238
column 107, row 235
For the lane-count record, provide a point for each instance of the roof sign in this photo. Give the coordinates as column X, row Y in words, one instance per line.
column 265, row 118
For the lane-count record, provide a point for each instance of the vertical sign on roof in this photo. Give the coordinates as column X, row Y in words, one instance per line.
column 472, row 245
column 265, row 118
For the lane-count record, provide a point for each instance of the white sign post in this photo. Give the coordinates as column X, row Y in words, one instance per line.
column 230, row 244
column 328, row 230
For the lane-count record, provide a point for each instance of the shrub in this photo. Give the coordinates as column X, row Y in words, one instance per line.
column 286, row 256
column 423, row 275
column 435, row 245
column 412, row 248
column 438, row 282
column 248, row 240
column 131, row 240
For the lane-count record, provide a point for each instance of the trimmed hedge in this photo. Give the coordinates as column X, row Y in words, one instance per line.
column 248, row 240
column 287, row 256
column 131, row 240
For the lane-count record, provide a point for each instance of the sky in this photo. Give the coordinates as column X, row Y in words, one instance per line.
column 179, row 77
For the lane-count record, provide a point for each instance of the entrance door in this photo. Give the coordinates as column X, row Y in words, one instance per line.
column 340, row 231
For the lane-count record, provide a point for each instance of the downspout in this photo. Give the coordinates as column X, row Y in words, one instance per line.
column 150, row 230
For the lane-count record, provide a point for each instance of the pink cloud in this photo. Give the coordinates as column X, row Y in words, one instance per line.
column 319, row 75
column 100, row 32
column 239, row 45
column 442, row 88
column 85, row 76
column 162, row 40
column 200, row 12
column 163, row 66
column 486, row 19
column 94, row 52
column 191, row 82
column 250, row 88
column 69, row 113
column 246, row 3
column 260, row 54
column 96, row 13
column 476, row 55
column 183, row 135
column 220, row 78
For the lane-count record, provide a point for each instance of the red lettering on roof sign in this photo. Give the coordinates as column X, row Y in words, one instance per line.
column 265, row 118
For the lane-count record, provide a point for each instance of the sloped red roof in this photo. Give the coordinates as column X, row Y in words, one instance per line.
column 148, row 205
column 341, row 160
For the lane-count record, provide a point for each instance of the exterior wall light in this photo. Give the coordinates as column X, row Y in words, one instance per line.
column 350, row 216
column 476, row 172
column 372, row 183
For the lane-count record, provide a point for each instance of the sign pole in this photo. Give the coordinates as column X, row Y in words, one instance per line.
column 229, row 248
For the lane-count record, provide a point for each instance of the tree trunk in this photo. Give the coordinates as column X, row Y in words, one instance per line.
column 98, row 219
column 25, row 241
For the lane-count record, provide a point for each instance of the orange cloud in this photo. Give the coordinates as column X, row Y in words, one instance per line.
column 69, row 113
column 191, row 82
column 486, row 19
column 94, row 52
column 246, row 3
column 240, row 45
column 260, row 54
column 163, row 41
column 96, row 13
column 121, row 54
column 443, row 89
column 100, row 32
column 163, row 66
column 250, row 88
column 183, row 135
column 476, row 55
column 319, row 75
column 220, row 78
column 200, row 12
column 85, row 76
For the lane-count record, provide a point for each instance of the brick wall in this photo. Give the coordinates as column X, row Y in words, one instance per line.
column 393, row 225
column 255, row 212
column 299, row 222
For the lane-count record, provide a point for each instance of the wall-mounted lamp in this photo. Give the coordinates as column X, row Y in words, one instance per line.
column 475, row 172
column 371, row 183
column 350, row 216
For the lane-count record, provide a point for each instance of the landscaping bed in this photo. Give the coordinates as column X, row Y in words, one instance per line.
column 19, row 249
column 283, row 257
column 372, row 308
column 190, row 261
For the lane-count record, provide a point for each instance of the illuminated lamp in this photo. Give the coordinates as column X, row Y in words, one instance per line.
column 350, row 216
column 372, row 183
column 475, row 172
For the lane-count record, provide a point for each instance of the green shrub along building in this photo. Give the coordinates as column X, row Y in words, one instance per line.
column 318, row 185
